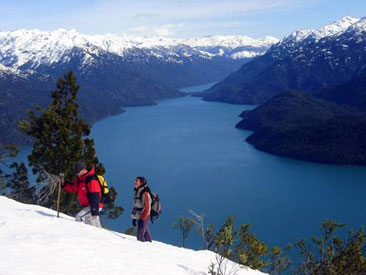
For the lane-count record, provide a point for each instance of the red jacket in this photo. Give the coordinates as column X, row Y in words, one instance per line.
column 147, row 208
column 92, row 198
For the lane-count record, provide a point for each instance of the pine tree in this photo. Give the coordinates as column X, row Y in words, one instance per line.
column 61, row 139
column 240, row 246
column 249, row 250
column 331, row 254
column 6, row 152
column 18, row 185
column 184, row 224
column 279, row 260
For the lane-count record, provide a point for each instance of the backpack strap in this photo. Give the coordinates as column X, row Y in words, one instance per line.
column 146, row 189
column 89, row 179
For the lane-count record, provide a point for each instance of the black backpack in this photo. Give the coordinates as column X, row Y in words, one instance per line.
column 155, row 204
column 106, row 197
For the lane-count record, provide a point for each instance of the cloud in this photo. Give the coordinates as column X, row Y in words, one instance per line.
column 164, row 30
column 142, row 16
column 178, row 10
column 194, row 9
column 145, row 17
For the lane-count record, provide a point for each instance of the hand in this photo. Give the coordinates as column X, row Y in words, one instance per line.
column 134, row 223
column 61, row 178
column 94, row 217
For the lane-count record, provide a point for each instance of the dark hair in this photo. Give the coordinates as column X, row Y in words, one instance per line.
column 142, row 180
column 80, row 165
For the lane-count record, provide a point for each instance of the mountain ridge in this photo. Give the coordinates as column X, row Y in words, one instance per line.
column 113, row 71
column 308, row 60
column 21, row 46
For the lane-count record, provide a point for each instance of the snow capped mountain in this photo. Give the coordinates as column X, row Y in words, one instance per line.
column 313, row 44
column 115, row 70
column 7, row 70
column 307, row 60
column 356, row 32
column 22, row 46
column 34, row 241
column 336, row 27
column 325, row 31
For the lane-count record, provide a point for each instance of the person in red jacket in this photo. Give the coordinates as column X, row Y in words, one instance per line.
column 89, row 193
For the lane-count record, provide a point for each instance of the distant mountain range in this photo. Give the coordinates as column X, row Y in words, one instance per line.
column 176, row 63
column 112, row 70
column 312, row 87
column 307, row 60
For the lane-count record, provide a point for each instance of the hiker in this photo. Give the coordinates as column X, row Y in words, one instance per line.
column 141, row 210
column 89, row 194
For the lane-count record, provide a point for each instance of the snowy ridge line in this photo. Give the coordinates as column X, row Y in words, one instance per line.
column 42, row 47
column 328, row 42
column 335, row 28
column 34, row 241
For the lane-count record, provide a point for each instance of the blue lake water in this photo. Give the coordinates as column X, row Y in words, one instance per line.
column 193, row 156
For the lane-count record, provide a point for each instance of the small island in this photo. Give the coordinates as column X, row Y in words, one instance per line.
column 301, row 126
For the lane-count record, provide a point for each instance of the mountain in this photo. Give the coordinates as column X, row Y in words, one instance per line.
column 174, row 62
column 301, row 126
column 113, row 71
column 61, row 245
column 351, row 93
column 308, row 60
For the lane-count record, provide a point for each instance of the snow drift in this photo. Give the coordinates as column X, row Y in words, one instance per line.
column 34, row 241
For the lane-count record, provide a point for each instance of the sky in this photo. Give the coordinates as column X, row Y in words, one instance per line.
column 177, row 18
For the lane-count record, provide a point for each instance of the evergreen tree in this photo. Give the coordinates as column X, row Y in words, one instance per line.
column 249, row 250
column 240, row 246
column 131, row 231
column 332, row 254
column 184, row 224
column 279, row 260
column 61, row 139
column 6, row 152
column 19, row 186
column 225, row 238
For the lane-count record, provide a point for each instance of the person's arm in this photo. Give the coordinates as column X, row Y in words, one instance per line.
column 70, row 187
column 147, row 205
column 94, row 197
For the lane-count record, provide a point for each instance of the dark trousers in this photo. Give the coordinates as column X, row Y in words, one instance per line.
column 143, row 233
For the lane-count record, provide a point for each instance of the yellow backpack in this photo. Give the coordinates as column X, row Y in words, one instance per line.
column 106, row 197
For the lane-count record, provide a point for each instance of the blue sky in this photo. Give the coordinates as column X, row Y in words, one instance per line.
column 177, row 18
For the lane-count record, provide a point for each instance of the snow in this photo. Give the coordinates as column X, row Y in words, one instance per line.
column 359, row 28
column 245, row 54
column 336, row 27
column 332, row 29
column 41, row 47
column 35, row 242
column 342, row 34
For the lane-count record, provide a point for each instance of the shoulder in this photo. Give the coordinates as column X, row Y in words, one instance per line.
column 145, row 192
column 90, row 178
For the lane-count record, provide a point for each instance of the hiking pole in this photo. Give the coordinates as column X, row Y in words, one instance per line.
column 61, row 177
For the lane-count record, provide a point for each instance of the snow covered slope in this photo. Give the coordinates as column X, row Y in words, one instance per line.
column 35, row 47
column 35, row 242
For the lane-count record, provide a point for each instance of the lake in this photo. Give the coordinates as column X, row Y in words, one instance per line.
column 193, row 156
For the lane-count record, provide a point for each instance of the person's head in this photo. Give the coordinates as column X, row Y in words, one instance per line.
column 140, row 181
column 80, row 169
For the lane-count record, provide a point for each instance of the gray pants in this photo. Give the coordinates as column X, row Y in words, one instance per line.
column 143, row 233
column 84, row 215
